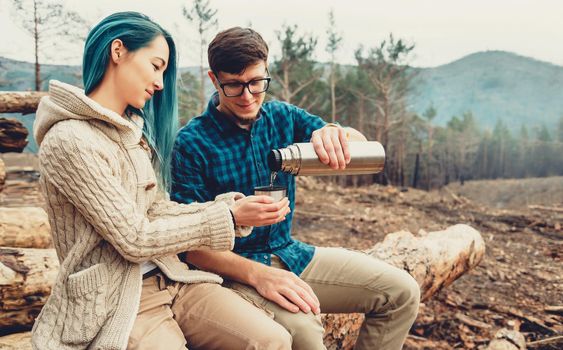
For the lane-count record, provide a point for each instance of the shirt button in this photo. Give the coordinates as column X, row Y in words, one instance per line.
column 265, row 257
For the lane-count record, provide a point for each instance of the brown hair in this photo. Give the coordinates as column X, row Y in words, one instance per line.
column 234, row 49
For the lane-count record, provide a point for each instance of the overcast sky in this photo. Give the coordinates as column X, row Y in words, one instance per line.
column 442, row 30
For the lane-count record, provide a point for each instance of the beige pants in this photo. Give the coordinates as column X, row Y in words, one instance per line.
column 348, row 282
column 213, row 317
column 207, row 315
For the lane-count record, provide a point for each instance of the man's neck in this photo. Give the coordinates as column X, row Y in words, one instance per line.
column 234, row 119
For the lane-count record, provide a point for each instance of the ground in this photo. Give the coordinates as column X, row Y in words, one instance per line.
column 520, row 276
column 516, row 286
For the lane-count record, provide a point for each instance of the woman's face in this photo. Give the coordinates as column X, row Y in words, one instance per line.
column 140, row 73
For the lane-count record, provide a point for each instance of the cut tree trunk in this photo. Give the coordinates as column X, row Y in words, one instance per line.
column 26, row 227
column 13, row 136
column 434, row 259
column 20, row 102
column 18, row 341
column 26, row 277
column 2, row 174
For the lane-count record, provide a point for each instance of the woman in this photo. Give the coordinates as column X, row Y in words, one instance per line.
column 115, row 234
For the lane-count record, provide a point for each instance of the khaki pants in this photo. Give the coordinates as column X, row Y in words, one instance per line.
column 213, row 317
column 207, row 315
column 350, row 282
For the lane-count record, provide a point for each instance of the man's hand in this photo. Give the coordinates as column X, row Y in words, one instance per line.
column 331, row 145
column 285, row 289
column 259, row 211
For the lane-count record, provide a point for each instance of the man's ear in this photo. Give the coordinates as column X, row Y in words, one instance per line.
column 118, row 51
column 213, row 79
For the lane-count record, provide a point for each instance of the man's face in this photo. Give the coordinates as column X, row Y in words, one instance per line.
column 244, row 108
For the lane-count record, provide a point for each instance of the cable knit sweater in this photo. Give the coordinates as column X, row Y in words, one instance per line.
column 106, row 218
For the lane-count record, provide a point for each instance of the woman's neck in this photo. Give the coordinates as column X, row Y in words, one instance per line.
column 105, row 95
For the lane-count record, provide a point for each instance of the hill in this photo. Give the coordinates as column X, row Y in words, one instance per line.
column 493, row 85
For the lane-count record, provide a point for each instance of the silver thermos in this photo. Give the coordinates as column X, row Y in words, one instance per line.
column 301, row 159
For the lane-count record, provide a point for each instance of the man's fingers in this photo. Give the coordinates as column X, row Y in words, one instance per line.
column 314, row 301
column 344, row 143
column 338, row 150
column 329, row 148
column 283, row 302
column 319, row 148
column 296, row 299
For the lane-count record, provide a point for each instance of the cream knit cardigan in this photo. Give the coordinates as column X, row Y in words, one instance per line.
column 106, row 218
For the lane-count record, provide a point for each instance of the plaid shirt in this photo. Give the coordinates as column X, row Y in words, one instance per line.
column 212, row 155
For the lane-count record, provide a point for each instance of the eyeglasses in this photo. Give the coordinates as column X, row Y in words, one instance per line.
column 255, row 86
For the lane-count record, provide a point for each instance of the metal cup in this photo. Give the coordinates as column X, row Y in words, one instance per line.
column 276, row 192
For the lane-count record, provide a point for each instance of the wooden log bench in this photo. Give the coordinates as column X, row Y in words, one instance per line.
column 434, row 259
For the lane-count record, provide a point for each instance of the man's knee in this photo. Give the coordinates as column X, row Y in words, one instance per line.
column 409, row 295
column 404, row 296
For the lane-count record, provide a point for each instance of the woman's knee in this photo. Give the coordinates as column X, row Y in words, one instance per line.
column 273, row 337
column 306, row 331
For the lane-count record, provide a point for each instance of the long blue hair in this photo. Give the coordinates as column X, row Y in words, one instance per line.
column 160, row 113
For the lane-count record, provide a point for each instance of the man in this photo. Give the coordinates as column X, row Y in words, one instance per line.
column 225, row 149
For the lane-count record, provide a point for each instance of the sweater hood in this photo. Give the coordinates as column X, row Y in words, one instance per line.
column 66, row 101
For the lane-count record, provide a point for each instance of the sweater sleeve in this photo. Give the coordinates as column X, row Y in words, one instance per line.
column 80, row 171
column 162, row 208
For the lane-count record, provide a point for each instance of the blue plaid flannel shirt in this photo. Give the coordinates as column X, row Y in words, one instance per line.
column 212, row 155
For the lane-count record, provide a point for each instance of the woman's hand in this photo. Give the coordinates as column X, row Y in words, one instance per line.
column 259, row 211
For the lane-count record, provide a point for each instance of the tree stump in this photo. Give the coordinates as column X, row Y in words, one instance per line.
column 25, row 227
column 18, row 341
column 434, row 259
column 26, row 277
column 13, row 136
column 20, row 102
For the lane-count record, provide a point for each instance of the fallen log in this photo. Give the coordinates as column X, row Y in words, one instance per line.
column 434, row 259
column 17, row 341
column 20, row 102
column 26, row 277
column 2, row 174
column 25, row 227
column 13, row 136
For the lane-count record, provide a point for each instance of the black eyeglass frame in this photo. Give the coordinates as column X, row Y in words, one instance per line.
column 244, row 85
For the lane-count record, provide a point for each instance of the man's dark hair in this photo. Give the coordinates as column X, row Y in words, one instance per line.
column 234, row 49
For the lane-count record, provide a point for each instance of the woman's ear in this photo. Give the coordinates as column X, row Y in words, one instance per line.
column 118, row 50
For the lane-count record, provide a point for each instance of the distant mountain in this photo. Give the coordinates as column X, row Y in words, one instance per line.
column 493, row 85
column 20, row 76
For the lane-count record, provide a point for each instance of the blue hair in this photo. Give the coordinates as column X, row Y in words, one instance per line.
column 160, row 113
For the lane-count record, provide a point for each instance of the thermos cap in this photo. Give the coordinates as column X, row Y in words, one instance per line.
column 274, row 160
